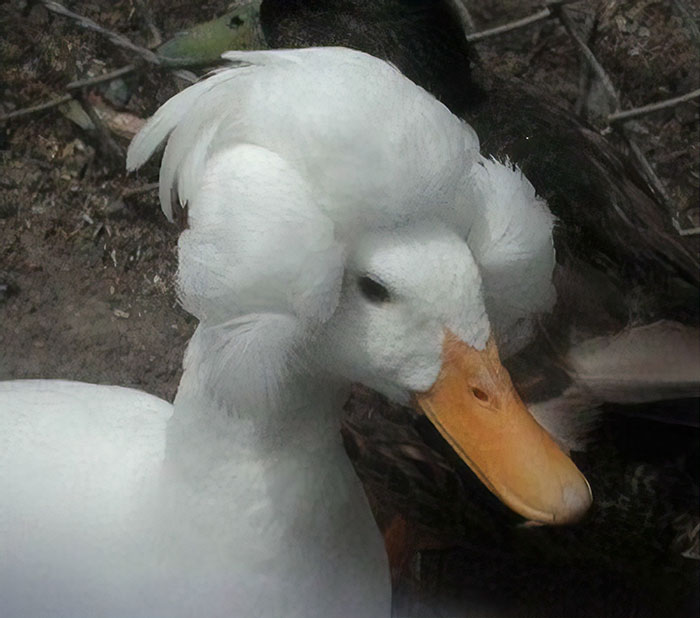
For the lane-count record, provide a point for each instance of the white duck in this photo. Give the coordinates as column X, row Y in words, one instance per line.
column 328, row 201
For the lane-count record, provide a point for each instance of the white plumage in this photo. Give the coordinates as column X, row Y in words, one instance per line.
column 331, row 166
column 303, row 172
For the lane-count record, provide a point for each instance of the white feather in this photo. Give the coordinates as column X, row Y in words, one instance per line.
column 169, row 115
column 257, row 242
column 512, row 243
column 399, row 155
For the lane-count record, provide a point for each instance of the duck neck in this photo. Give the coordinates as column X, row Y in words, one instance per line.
column 245, row 408
column 257, row 477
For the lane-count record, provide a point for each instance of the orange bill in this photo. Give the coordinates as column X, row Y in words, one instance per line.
column 476, row 409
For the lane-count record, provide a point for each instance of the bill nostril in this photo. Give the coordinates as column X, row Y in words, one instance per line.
column 479, row 394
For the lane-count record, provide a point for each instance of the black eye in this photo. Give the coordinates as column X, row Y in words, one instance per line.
column 372, row 290
column 235, row 21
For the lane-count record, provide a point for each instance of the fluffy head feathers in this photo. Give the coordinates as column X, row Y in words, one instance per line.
column 283, row 158
column 288, row 158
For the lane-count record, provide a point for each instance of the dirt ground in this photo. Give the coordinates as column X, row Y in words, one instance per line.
column 86, row 257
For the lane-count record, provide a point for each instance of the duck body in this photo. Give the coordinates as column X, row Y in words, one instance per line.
column 67, row 461
column 98, row 520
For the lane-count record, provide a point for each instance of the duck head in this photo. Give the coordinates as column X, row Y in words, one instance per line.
column 411, row 323
column 324, row 186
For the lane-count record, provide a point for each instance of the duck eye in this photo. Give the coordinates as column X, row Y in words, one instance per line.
column 372, row 290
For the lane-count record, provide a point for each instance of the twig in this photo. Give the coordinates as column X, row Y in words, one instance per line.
column 36, row 108
column 514, row 25
column 76, row 85
column 147, row 16
column 109, row 146
column 548, row 11
column 138, row 190
column 652, row 178
column 116, row 39
column 99, row 79
column 187, row 76
column 464, row 15
column 685, row 231
column 588, row 55
column 652, row 107
column 654, row 181
column 690, row 23
column 584, row 81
